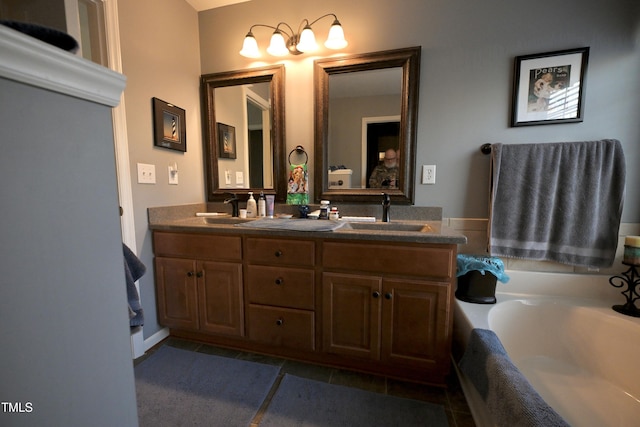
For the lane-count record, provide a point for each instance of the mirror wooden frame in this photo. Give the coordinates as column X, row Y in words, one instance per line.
column 274, row 75
column 409, row 60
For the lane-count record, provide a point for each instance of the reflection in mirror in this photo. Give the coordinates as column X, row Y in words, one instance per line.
column 244, row 131
column 366, row 107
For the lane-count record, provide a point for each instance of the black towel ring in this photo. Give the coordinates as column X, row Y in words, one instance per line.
column 300, row 150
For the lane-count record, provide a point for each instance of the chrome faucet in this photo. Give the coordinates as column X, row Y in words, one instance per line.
column 234, row 204
column 386, row 206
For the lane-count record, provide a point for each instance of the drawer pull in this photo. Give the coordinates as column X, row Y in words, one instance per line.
column 388, row 295
column 376, row 294
column 279, row 281
column 278, row 253
column 280, row 321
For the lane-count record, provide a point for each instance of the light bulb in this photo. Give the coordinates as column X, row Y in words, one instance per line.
column 336, row 40
column 250, row 47
column 278, row 46
column 307, row 40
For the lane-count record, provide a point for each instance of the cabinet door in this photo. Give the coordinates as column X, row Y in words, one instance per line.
column 415, row 315
column 176, row 293
column 351, row 314
column 220, row 297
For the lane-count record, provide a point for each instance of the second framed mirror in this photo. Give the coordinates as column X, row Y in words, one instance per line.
column 365, row 125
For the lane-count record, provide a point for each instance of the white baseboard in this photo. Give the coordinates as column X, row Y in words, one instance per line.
column 156, row 338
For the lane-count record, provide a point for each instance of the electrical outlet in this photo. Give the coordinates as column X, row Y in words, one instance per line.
column 428, row 174
column 146, row 174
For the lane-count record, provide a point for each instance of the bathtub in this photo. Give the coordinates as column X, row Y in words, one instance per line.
column 559, row 330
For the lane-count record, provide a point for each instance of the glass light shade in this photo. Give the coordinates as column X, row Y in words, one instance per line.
column 278, row 46
column 307, row 40
column 250, row 47
column 336, row 40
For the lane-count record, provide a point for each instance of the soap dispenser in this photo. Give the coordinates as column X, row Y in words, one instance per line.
column 262, row 205
column 251, row 206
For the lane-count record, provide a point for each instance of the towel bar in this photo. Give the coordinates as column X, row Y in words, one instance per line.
column 486, row 148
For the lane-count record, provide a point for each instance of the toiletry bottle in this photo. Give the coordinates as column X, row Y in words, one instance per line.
column 262, row 205
column 325, row 206
column 251, row 206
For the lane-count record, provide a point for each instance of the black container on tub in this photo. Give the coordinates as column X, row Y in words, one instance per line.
column 477, row 278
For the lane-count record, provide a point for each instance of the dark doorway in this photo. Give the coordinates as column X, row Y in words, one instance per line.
column 380, row 137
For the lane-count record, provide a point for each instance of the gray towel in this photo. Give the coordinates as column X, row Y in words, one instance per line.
column 293, row 224
column 133, row 270
column 508, row 395
column 557, row 201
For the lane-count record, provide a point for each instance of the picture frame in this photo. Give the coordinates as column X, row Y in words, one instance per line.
column 169, row 126
column 549, row 88
column 226, row 141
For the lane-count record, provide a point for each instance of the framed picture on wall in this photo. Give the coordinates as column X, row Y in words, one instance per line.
column 169, row 126
column 226, row 141
column 549, row 87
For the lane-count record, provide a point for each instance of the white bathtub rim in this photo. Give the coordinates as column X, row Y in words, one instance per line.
column 593, row 292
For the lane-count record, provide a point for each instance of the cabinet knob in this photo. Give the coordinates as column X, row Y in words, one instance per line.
column 376, row 294
column 200, row 274
column 278, row 253
column 279, row 281
column 388, row 295
column 280, row 321
column 189, row 273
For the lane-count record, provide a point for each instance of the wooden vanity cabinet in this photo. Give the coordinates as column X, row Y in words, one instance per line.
column 199, row 282
column 389, row 303
column 280, row 285
column 380, row 307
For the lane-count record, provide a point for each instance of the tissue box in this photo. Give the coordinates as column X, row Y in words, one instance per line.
column 340, row 178
column 477, row 288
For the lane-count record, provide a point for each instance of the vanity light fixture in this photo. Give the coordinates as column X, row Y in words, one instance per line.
column 285, row 42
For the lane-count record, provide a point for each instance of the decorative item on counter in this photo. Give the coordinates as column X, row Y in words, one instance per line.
column 304, row 211
column 297, row 187
column 334, row 214
column 631, row 250
column 325, row 206
column 262, row 206
column 251, row 206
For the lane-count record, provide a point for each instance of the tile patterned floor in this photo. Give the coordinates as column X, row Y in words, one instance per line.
column 451, row 398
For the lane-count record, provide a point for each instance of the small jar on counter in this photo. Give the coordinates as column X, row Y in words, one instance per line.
column 325, row 207
column 334, row 214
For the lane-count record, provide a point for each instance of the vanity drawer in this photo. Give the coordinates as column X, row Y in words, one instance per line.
column 282, row 327
column 284, row 287
column 197, row 246
column 390, row 258
column 281, row 252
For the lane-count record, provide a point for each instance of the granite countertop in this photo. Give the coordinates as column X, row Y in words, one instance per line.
column 183, row 219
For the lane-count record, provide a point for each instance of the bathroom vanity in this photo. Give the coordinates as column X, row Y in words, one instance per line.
column 377, row 299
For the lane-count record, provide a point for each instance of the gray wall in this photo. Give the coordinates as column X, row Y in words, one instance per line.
column 65, row 326
column 161, row 58
column 468, row 49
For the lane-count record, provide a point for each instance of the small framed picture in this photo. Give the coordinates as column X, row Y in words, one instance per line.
column 226, row 141
column 549, row 87
column 169, row 126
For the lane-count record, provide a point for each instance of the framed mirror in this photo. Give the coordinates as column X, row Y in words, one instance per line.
column 366, row 108
column 243, row 120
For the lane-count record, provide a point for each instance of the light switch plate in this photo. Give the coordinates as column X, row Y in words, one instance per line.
column 146, row 174
column 173, row 175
